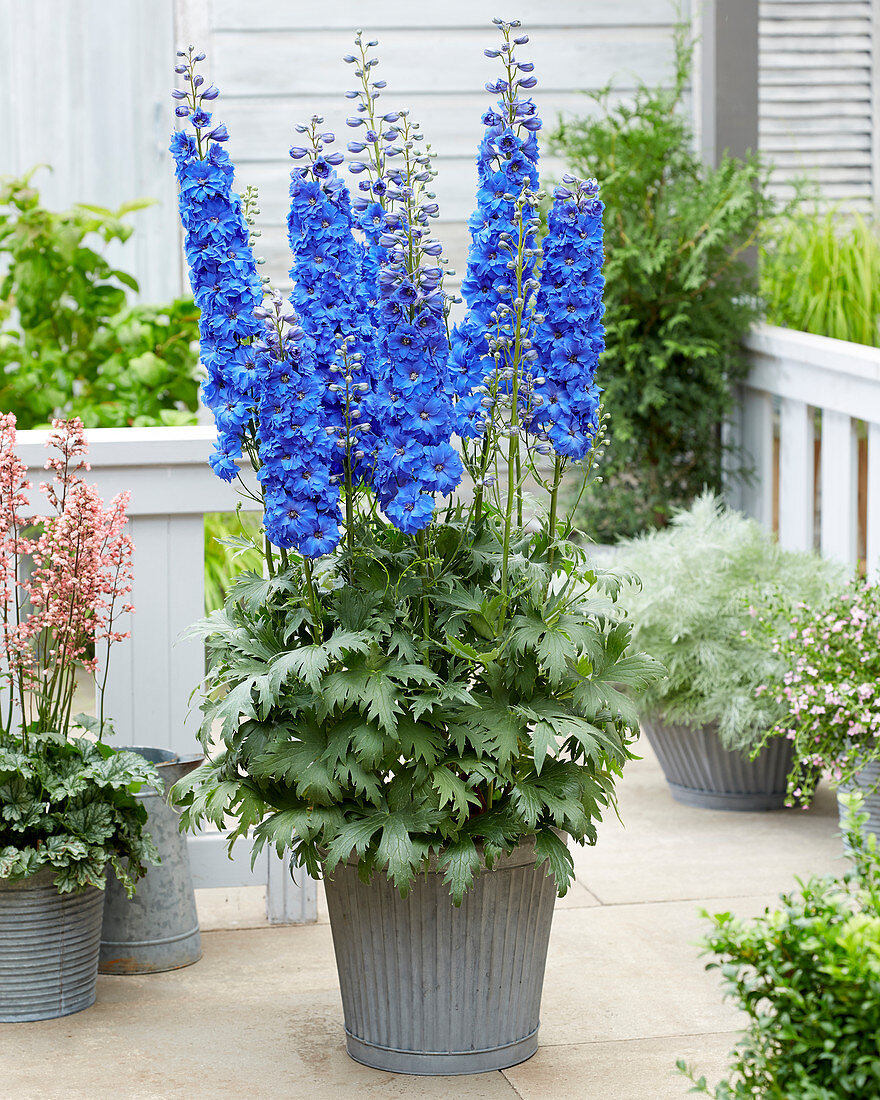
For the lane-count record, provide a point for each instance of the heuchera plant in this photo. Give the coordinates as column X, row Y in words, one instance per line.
column 830, row 688
column 66, row 802
column 406, row 679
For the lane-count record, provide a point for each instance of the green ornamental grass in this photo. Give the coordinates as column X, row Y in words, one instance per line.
column 820, row 272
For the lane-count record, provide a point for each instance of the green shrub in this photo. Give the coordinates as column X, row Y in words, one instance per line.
column 679, row 298
column 807, row 975
column 820, row 272
column 70, row 342
column 706, row 580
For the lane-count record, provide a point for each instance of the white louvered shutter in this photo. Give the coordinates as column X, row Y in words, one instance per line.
column 816, row 111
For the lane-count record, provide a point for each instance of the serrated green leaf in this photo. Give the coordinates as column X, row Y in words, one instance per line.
column 460, row 863
column 552, row 850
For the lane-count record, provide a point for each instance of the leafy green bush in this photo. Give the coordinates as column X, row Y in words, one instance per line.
column 394, row 715
column 70, row 344
column 679, row 298
column 706, row 579
column 820, row 272
column 70, row 805
column 808, row 976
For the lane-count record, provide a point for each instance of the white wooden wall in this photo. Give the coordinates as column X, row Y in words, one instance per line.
column 818, row 102
column 84, row 88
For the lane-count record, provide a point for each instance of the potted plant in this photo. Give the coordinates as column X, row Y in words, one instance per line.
column 807, row 976
column 826, row 686
column 706, row 579
column 68, row 805
column 420, row 702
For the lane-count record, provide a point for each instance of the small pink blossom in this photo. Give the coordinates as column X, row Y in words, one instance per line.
column 63, row 611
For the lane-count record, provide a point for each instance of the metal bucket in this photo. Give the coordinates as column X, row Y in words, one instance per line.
column 48, row 948
column 701, row 772
column 157, row 929
column 434, row 990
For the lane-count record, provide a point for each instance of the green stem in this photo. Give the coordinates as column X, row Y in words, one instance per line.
column 270, row 557
column 422, row 543
column 519, row 491
column 508, row 511
column 551, row 525
column 313, row 602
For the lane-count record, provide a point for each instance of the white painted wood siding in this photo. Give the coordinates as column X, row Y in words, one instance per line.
column 278, row 62
column 86, row 90
column 817, row 102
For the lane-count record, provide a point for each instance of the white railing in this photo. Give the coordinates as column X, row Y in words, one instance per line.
column 153, row 674
column 809, row 420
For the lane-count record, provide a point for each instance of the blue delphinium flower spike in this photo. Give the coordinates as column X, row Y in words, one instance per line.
column 506, row 165
column 300, row 494
column 331, row 297
column 412, row 407
column 570, row 336
column 223, row 272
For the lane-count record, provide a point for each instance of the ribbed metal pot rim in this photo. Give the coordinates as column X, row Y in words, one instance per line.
column 522, row 854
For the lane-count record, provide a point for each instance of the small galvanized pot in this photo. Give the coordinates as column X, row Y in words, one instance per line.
column 868, row 777
column 157, row 929
column 701, row 772
column 434, row 990
column 48, row 948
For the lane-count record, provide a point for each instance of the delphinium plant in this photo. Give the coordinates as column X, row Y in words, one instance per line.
column 827, row 685
column 416, row 672
column 67, row 800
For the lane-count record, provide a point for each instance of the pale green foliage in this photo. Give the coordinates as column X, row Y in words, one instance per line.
column 700, row 578
column 820, row 272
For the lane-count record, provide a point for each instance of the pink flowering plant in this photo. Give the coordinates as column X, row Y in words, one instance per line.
column 67, row 801
column 830, row 688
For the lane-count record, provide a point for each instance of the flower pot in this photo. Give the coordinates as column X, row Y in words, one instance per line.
column 157, row 929
column 48, row 948
column 867, row 777
column 431, row 989
column 701, row 772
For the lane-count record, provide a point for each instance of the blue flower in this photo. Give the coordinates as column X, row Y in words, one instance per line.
column 410, row 509
column 224, row 280
column 571, row 337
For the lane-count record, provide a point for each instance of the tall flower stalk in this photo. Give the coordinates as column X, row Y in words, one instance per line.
column 65, row 579
column 347, row 398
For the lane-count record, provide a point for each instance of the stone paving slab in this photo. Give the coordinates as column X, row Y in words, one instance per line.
column 626, row 992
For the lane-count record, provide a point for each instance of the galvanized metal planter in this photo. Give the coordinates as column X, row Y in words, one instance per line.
column 48, row 948
column 701, row 772
column 430, row 989
column 864, row 780
column 157, row 929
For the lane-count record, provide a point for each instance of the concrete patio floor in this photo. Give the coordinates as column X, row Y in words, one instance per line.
column 625, row 993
